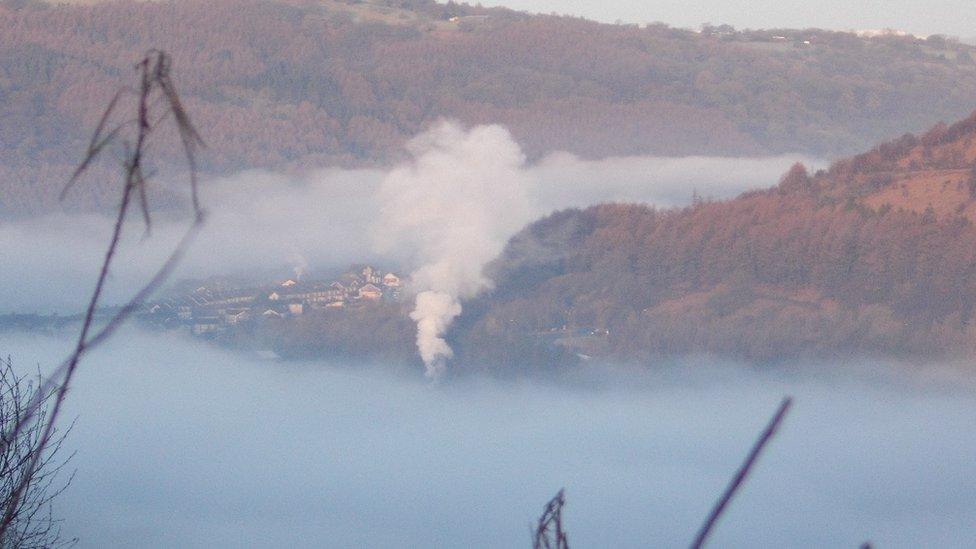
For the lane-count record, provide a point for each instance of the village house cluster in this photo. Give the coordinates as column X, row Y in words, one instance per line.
column 207, row 310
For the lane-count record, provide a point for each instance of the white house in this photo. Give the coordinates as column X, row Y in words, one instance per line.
column 371, row 292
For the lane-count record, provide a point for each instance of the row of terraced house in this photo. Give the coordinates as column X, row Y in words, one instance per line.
column 206, row 310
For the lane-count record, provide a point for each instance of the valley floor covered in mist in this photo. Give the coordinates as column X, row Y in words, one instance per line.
column 181, row 444
column 185, row 444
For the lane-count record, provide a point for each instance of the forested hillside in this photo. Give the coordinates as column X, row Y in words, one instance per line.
column 876, row 255
column 296, row 83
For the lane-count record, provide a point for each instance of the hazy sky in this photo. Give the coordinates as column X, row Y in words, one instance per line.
column 952, row 17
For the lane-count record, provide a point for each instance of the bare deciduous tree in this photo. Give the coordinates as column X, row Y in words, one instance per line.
column 32, row 523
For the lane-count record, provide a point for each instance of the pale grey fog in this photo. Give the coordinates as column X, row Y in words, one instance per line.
column 327, row 219
column 181, row 444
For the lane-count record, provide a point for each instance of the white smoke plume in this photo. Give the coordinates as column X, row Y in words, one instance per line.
column 433, row 312
column 299, row 265
column 453, row 205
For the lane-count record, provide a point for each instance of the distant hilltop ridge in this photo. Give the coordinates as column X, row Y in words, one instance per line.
column 932, row 175
column 875, row 256
column 293, row 85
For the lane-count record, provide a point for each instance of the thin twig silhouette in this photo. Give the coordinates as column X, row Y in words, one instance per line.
column 742, row 473
column 551, row 524
column 33, row 524
column 155, row 89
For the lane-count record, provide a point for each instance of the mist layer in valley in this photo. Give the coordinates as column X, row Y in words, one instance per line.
column 261, row 221
column 181, row 444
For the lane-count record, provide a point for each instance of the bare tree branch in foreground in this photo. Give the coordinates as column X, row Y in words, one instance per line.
column 742, row 473
column 551, row 521
column 33, row 524
column 156, row 101
column 549, row 532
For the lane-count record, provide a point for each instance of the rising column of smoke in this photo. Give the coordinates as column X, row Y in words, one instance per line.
column 299, row 265
column 451, row 207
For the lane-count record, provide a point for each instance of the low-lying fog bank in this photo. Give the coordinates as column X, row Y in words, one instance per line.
column 331, row 218
column 181, row 444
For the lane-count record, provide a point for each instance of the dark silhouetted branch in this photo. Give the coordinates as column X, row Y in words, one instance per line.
column 742, row 473
column 156, row 90
column 32, row 524
column 549, row 532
